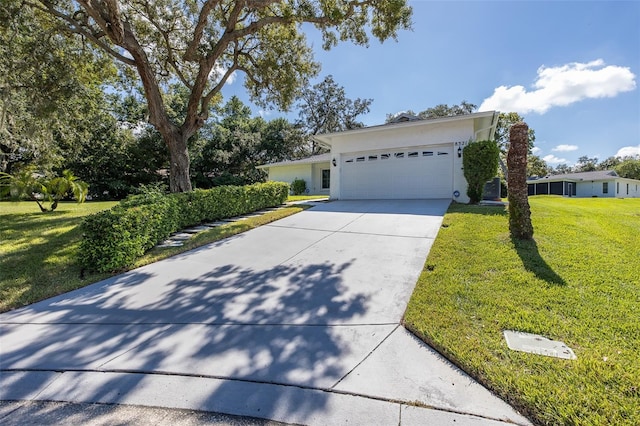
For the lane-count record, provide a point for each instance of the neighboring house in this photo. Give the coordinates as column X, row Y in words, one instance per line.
column 603, row 183
column 315, row 171
column 401, row 160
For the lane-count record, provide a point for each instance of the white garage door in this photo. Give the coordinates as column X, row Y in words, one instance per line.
column 420, row 172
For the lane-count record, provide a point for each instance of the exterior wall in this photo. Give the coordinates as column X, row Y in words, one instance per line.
column 311, row 173
column 455, row 133
column 594, row 188
column 317, row 178
column 629, row 188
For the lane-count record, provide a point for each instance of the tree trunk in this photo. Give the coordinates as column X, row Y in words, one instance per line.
column 179, row 180
column 519, row 212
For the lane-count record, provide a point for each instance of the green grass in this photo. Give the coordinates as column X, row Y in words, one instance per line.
column 579, row 282
column 306, row 197
column 38, row 251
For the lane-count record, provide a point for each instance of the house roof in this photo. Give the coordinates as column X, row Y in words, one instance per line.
column 584, row 176
column 320, row 158
column 486, row 122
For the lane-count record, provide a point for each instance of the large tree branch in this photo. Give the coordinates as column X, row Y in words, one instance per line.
column 190, row 54
column 73, row 26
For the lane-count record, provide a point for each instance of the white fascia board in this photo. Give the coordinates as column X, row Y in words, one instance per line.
column 327, row 138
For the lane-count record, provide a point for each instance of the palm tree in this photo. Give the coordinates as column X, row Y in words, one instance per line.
column 27, row 185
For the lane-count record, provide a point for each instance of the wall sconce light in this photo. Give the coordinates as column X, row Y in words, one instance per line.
column 459, row 152
column 333, row 162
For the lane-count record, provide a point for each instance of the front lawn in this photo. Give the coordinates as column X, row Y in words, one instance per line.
column 38, row 251
column 579, row 282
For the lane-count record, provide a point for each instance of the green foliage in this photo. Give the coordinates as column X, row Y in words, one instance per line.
column 325, row 108
column 28, row 185
column 629, row 168
column 115, row 238
column 298, row 186
column 441, row 110
column 200, row 45
column 480, row 162
column 227, row 152
column 536, row 166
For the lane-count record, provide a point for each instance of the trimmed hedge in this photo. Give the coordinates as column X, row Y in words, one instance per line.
column 115, row 238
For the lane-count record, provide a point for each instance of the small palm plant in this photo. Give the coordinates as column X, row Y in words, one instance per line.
column 27, row 185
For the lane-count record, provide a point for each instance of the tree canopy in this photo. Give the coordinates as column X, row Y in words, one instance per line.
column 325, row 108
column 440, row 110
column 201, row 44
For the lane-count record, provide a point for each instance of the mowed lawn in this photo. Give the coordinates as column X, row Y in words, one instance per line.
column 38, row 251
column 579, row 282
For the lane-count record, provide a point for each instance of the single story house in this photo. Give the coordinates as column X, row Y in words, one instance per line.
column 602, row 183
column 314, row 170
column 407, row 159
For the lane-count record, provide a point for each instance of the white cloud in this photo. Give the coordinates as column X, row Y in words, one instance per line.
column 562, row 86
column 565, row 148
column 552, row 159
column 535, row 150
column 218, row 71
column 628, row 151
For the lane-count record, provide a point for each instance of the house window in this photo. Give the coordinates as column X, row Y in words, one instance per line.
column 442, row 153
column 427, row 153
column 399, row 154
column 413, row 154
column 617, row 187
column 350, row 160
column 605, row 187
column 373, row 157
column 359, row 159
column 326, row 178
column 627, row 189
column 385, row 156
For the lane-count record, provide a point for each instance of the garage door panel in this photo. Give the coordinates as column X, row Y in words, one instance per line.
column 422, row 172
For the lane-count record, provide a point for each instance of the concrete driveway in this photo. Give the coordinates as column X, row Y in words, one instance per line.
column 297, row 321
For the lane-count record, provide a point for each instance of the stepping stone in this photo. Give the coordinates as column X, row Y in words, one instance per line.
column 171, row 243
column 215, row 224
column 181, row 236
column 196, row 229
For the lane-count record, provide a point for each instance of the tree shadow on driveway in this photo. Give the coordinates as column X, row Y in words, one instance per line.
column 278, row 326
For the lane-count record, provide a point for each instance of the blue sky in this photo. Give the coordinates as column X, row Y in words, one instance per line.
column 570, row 68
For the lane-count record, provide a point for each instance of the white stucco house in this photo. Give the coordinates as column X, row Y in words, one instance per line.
column 410, row 159
column 603, row 183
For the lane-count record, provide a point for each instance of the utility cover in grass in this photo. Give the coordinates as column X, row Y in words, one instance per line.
column 535, row 344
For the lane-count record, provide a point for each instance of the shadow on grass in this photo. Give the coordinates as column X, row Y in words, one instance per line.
column 533, row 262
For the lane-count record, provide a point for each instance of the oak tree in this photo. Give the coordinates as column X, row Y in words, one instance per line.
column 201, row 44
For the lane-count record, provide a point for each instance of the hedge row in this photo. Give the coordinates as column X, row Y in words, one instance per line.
column 115, row 238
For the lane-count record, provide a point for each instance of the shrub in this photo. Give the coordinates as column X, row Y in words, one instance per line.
column 298, row 186
column 115, row 238
column 480, row 164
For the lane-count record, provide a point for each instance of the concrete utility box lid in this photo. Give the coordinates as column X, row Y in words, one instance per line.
column 535, row 344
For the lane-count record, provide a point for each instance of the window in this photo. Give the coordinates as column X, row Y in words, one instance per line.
column 359, row 159
column 442, row 153
column 413, row 154
column 373, row 157
column 350, row 160
column 427, row 153
column 627, row 189
column 617, row 187
column 326, row 178
column 605, row 187
column 385, row 156
column 399, row 154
